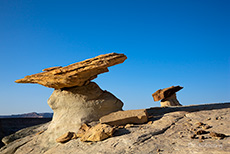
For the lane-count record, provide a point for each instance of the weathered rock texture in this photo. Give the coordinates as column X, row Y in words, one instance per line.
column 125, row 117
column 170, row 131
column 167, row 96
column 77, row 105
column 77, row 74
column 170, row 101
column 82, row 130
column 98, row 133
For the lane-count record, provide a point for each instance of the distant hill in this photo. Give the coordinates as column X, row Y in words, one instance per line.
column 29, row 115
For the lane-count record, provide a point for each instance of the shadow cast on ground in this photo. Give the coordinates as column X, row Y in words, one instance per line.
column 157, row 111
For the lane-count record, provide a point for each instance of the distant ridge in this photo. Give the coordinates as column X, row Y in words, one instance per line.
column 29, row 115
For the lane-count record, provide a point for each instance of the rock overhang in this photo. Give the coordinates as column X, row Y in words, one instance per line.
column 166, row 92
column 77, row 74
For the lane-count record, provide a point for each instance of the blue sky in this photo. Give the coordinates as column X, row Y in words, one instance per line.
column 167, row 43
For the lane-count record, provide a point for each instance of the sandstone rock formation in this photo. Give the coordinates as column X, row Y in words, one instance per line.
column 125, row 117
column 167, row 96
column 77, row 74
column 170, row 131
column 75, row 100
column 77, row 105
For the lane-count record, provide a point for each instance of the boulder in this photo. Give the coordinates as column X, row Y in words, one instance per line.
column 77, row 105
column 82, row 130
column 77, row 74
column 98, row 133
column 125, row 117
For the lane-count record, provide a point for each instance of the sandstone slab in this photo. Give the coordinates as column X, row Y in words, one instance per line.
column 125, row 117
column 77, row 74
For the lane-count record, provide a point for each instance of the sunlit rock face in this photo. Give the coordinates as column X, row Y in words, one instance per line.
column 77, row 74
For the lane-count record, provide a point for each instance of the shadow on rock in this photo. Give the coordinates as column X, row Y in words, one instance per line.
column 120, row 132
column 193, row 108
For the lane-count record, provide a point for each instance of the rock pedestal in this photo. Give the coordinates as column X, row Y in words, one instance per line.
column 76, row 100
column 170, row 101
column 77, row 105
column 167, row 96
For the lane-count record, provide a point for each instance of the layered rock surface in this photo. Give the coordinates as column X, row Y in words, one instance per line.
column 77, row 74
column 169, row 130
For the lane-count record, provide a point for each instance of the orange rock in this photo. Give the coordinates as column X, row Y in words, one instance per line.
column 98, row 133
column 82, row 130
column 166, row 92
column 167, row 96
column 77, row 74
column 51, row 68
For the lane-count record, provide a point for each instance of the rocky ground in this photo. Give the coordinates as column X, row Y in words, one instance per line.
column 11, row 125
column 187, row 129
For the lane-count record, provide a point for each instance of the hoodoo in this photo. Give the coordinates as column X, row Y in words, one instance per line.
column 77, row 100
column 167, row 96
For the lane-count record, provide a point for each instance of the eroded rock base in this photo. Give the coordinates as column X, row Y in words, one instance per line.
column 77, row 105
column 170, row 101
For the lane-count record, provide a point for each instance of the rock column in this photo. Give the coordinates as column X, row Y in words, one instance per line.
column 77, row 105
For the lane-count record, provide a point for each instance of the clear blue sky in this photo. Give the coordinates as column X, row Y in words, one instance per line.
column 167, row 42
